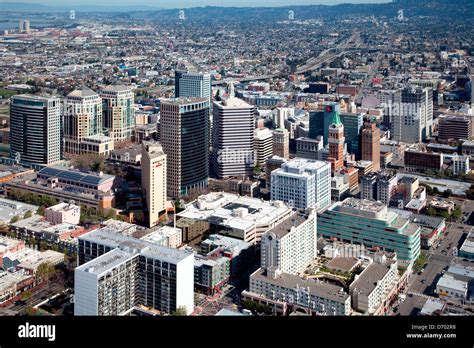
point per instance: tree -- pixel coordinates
(456, 214)
(4, 228)
(30, 311)
(435, 190)
(28, 214)
(447, 193)
(179, 312)
(41, 210)
(25, 296)
(470, 193)
(14, 219)
(45, 271)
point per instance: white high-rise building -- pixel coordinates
(119, 272)
(118, 107)
(232, 138)
(192, 84)
(263, 145)
(291, 245)
(412, 117)
(282, 114)
(153, 165)
(35, 129)
(302, 183)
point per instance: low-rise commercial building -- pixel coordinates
(283, 292)
(63, 213)
(243, 218)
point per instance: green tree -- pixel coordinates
(25, 296)
(179, 312)
(41, 210)
(447, 193)
(4, 228)
(28, 214)
(45, 271)
(456, 214)
(14, 219)
(435, 190)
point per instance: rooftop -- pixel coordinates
(319, 289)
(231, 210)
(366, 282)
(110, 238)
(116, 88)
(285, 227)
(106, 261)
(9, 279)
(468, 245)
(10, 208)
(183, 101)
(449, 282)
(83, 92)
(233, 103)
(76, 176)
(343, 263)
(231, 244)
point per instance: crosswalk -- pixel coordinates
(420, 295)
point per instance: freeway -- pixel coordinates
(314, 63)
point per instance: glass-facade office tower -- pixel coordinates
(118, 112)
(232, 138)
(319, 122)
(184, 137)
(35, 127)
(82, 117)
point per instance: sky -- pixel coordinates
(194, 3)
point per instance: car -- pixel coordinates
(20, 302)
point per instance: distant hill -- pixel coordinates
(453, 9)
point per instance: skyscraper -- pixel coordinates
(118, 272)
(371, 145)
(281, 140)
(118, 112)
(82, 117)
(336, 143)
(319, 122)
(232, 138)
(291, 245)
(302, 183)
(153, 165)
(192, 84)
(263, 145)
(184, 137)
(412, 117)
(35, 129)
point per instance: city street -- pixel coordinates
(422, 286)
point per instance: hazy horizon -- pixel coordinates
(194, 3)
